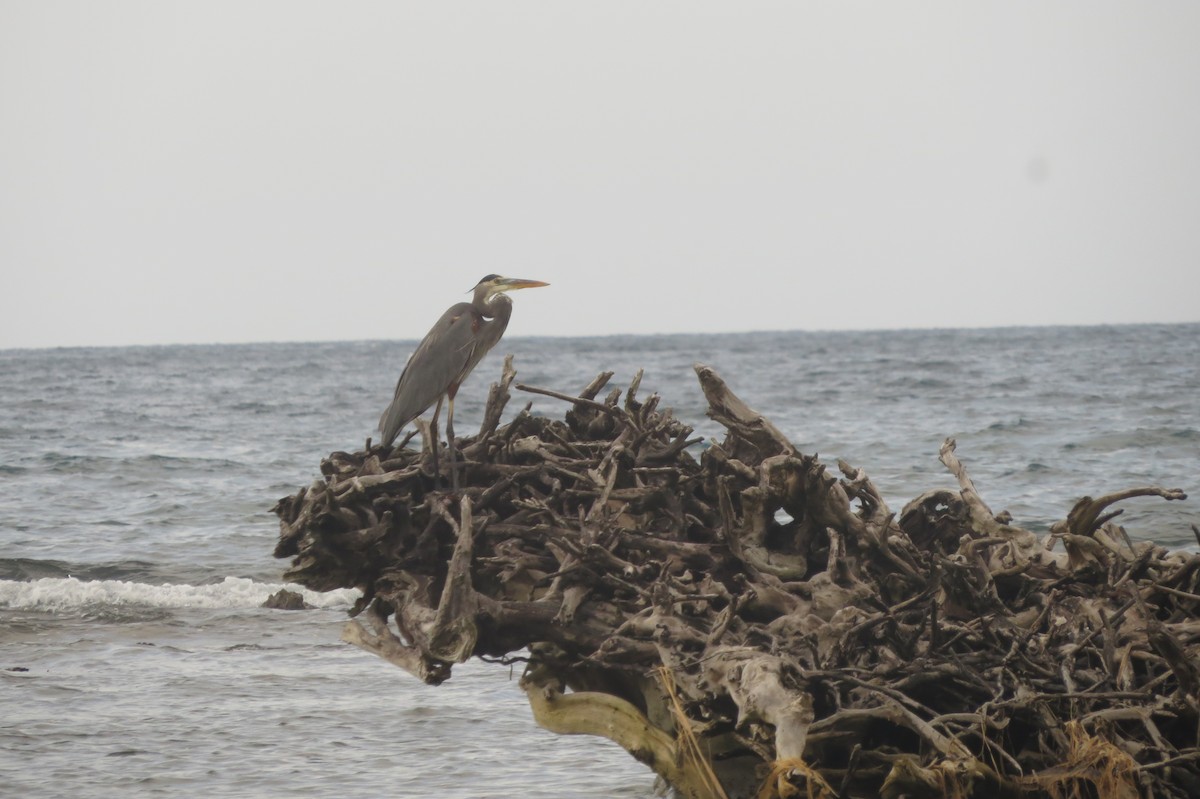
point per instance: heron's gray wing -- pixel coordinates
(437, 362)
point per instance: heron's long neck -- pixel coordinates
(498, 307)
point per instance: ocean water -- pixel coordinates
(136, 537)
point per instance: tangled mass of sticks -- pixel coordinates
(749, 624)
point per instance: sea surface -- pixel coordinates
(136, 535)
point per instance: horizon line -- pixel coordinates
(680, 334)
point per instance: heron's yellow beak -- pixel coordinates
(511, 283)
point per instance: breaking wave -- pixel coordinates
(72, 595)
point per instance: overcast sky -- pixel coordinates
(281, 170)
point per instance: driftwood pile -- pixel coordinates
(749, 624)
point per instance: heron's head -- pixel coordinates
(491, 285)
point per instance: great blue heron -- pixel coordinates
(447, 354)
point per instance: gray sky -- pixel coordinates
(280, 170)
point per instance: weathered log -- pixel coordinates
(748, 623)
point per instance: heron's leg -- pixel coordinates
(450, 443)
(433, 444)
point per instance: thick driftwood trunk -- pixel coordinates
(747, 623)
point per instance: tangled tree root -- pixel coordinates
(748, 624)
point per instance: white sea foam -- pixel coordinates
(67, 594)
